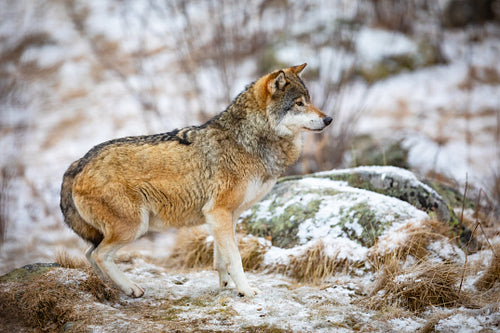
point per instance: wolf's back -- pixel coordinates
(71, 215)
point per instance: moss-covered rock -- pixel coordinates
(280, 215)
(394, 182)
(28, 272)
(359, 204)
(402, 184)
(372, 227)
(301, 209)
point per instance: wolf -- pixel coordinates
(210, 174)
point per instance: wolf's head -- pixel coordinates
(288, 104)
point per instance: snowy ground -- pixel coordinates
(192, 301)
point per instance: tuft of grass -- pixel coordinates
(40, 302)
(414, 287)
(252, 253)
(492, 274)
(100, 290)
(192, 249)
(417, 287)
(418, 238)
(64, 259)
(47, 301)
(313, 266)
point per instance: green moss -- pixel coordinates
(367, 219)
(28, 272)
(282, 227)
(452, 196)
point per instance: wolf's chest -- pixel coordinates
(256, 189)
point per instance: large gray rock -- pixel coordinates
(358, 204)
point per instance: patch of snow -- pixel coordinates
(409, 325)
(386, 209)
(344, 248)
(375, 44)
(279, 256)
(444, 250)
(383, 171)
(460, 323)
(395, 236)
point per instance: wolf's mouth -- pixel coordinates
(317, 130)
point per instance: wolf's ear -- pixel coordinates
(298, 69)
(278, 83)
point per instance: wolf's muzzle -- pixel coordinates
(327, 120)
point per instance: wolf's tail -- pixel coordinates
(71, 215)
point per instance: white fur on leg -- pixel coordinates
(220, 266)
(221, 224)
(104, 258)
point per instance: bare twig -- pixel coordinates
(478, 223)
(463, 205)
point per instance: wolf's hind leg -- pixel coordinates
(103, 256)
(96, 268)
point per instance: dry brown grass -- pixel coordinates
(313, 266)
(418, 238)
(417, 287)
(492, 273)
(252, 253)
(192, 249)
(409, 280)
(64, 259)
(46, 302)
(100, 290)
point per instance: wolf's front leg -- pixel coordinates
(221, 268)
(221, 223)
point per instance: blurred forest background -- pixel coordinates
(412, 83)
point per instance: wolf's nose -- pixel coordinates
(327, 120)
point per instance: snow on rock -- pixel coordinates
(394, 182)
(299, 212)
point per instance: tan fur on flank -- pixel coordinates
(201, 174)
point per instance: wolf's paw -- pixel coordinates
(249, 292)
(135, 291)
(225, 281)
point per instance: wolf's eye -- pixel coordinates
(299, 103)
